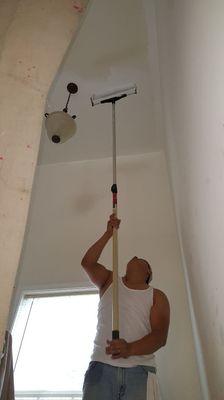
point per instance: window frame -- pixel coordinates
(41, 293)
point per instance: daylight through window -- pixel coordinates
(52, 344)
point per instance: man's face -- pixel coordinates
(140, 267)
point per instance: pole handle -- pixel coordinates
(115, 316)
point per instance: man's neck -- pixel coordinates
(132, 284)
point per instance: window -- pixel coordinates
(52, 344)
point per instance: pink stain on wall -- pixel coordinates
(78, 7)
(1, 158)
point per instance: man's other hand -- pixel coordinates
(118, 348)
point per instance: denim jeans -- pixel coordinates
(106, 382)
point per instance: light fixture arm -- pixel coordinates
(72, 88)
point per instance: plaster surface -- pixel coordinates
(34, 37)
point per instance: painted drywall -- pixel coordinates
(105, 56)
(69, 210)
(191, 36)
(33, 39)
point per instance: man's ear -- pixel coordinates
(148, 280)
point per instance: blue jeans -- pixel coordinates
(105, 382)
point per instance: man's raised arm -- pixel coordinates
(97, 273)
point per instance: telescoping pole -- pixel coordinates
(115, 312)
(115, 303)
(112, 97)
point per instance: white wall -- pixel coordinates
(70, 206)
(191, 37)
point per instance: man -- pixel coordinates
(125, 368)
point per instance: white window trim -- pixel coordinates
(47, 291)
(52, 292)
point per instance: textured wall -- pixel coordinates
(34, 36)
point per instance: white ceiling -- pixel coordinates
(114, 48)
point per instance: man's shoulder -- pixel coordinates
(159, 296)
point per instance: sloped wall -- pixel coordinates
(34, 36)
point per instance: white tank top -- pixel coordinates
(134, 320)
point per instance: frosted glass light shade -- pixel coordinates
(60, 126)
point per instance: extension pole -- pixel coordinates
(112, 97)
(115, 312)
(115, 303)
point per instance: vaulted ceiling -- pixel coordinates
(115, 47)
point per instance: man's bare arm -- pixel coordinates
(97, 273)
